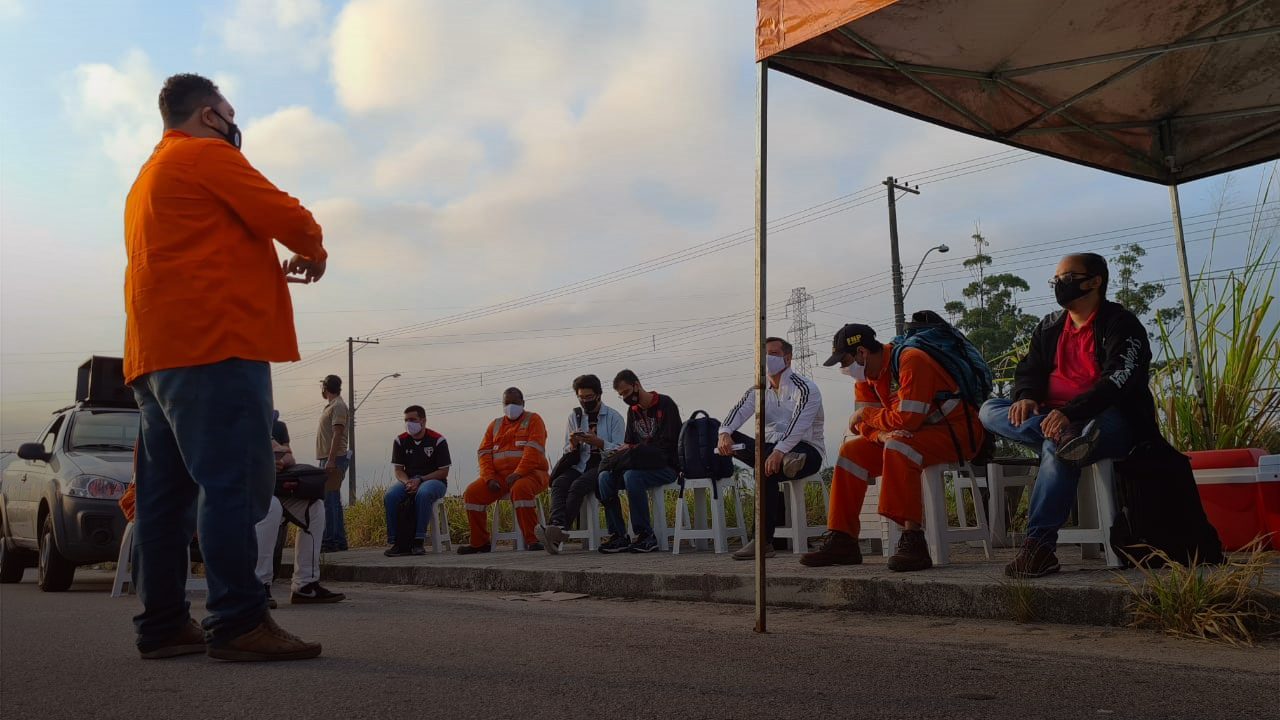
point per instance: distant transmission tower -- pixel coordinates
(801, 330)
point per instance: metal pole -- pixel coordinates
(351, 420)
(1189, 309)
(762, 106)
(894, 258)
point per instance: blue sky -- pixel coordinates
(461, 155)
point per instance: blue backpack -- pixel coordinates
(928, 332)
(697, 451)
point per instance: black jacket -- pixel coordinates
(1124, 357)
(665, 436)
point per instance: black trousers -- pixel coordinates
(568, 490)
(774, 507)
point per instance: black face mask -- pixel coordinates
(1066, 293)
(232, 133)
(590, 406)
(633, 398)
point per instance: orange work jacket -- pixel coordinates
(203, 282)
(514, 447)
(920, 378)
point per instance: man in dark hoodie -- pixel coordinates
(648, 460)
(1079, 395)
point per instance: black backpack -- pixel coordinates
(697, 450)
(1160, 507)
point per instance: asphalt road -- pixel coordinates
(398, 652)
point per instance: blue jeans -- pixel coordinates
(204, 463)
(637, 483)
(1054, 493)
(424, 500)
(335, 527)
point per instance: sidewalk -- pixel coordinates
(1083, 593)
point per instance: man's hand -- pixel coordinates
(1021, 410)
(725, 445)
(857, 416)
(411, 484)
(593, 440)
(1053, 424)
(511, 479)
(773, 463)
(493, 485)
(898, 434)
(309, 270)
(574, 440)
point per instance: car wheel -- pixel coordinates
(12, 563)
(54, 572)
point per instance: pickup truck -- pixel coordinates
(59, 497)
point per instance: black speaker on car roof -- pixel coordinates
(100, 381)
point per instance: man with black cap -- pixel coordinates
(331, 451)
(898, 435)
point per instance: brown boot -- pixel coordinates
(188, 641)
(912, 553)
(268, 641)
(837, 548)
(1034, 560)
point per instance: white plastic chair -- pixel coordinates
(796, 527)
(938, 533)
(589, 530)
(123, 583)
(1000, 477)
(1097, 511)
(439, 527)
(515, 533)
(718, 531)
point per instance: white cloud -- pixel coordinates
(11, 9)
(301, 152)
(286, 32)
(118, 104)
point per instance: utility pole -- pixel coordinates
(898, 316)
(351, 414)
(801, 330)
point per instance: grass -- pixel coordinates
(366, 521)
(1024, 596)
(1215, 603)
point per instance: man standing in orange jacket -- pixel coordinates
(207, 308)
(512, 458)
(898, 434)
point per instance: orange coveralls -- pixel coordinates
(898, 460)
(509, 446)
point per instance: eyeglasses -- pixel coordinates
(588, 398)
(1067, 277)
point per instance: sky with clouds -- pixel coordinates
(514, 193)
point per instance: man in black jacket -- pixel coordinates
(648, 460)
(1080, 394)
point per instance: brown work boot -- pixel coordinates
(837, 548)
(266, 642)
(912, 553)
(188, 641)
(1034, 560)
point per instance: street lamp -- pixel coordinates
(351, 437)
(940, 248)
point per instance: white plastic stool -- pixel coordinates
(439, 527)
(123, 583)
(515, 533)
(796, 527)
(1000, 477)
(938, 533)
(658, 514)
(589, 531)
(718, 532)
(1097, 511)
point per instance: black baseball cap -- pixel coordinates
(332, 383)
(849, 338)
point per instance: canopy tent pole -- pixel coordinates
(1189, 310)
(762, 104)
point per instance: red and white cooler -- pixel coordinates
(1269, 496)
(1231, 489)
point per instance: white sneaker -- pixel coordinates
(793, 464)
(748, 551)
(556, 538)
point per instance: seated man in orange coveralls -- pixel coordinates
(512, 459)
(898, 434)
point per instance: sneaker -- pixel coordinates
(1034, 560)
(645, 544)
(535, 545)
(312, 594)
(912, 553)
(469, 550)
(555, 539)
(616, 544)
(748, 551)
(268, 641)
(271, 602)
(835, 548)
(419, 548)
(793, 464)
(396, 551)
(540, 532)
(1074, 451)
(188, 641)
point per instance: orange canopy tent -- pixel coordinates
(1165, 91)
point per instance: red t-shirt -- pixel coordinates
(1075, 366)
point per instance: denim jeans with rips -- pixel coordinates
(204, 465)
